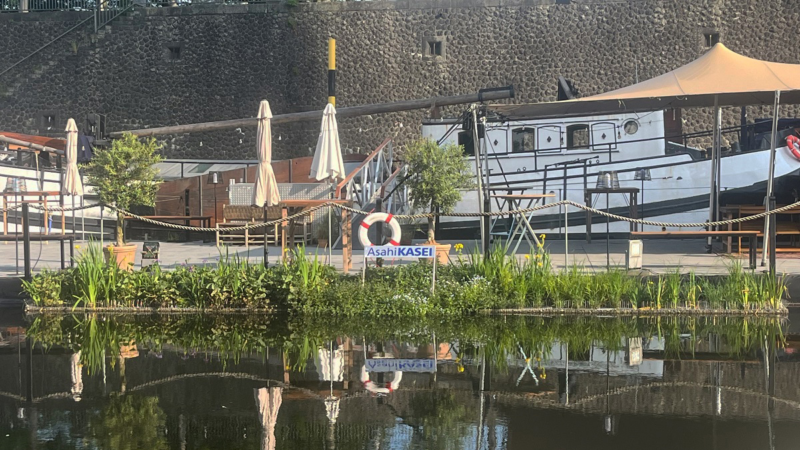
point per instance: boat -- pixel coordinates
(645, 151)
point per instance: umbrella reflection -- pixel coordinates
(268, 402)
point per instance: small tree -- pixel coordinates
(124, 175)
(435, 177)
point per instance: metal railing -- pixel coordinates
(24, 6)
(394, 192)
(104, 12)
(108, 10)
(363, 184)
(12, 6)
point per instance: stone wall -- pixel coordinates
(230, 57)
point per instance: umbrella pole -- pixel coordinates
(330, 228)
(771, 177)
(718, 187)
(266, 233)
(83, 221)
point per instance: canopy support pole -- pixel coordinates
(487, 198)
(718, 188)
(714, 150)
(771, 177)
(478, 174)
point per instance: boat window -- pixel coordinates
(604, 136)
(577, 137)
(550, 139)
(523, 140)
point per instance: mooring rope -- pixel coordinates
(327, 206)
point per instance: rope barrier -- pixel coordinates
(524, 211)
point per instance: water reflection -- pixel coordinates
(230, 382)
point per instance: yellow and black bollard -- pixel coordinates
(332, 71)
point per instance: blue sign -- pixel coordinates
(399, 251)
(402, 365)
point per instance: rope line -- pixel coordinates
(524, 211)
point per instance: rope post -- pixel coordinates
(364, 272)
(772, 238)
(187, 211)
(16, 232)
(566, 235)
(102, 238)
(433, 277)
(347, 261)
(608, 234)
(26, 240)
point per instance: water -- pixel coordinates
(245, 382)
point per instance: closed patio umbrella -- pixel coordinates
(268, 401)
(327, 163)
(72, 178)
(265, 191)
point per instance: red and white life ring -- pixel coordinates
(793, 144)
(394, 225)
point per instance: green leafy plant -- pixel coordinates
(436, 176)
(124, 175)
(45, 288)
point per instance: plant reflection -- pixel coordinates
(502, 338)
(129, 422)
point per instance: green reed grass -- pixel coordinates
(303, 284)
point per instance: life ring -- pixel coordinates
(793, 144)
(379, 217)
(372, 387)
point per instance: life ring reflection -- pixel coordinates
(374, 388)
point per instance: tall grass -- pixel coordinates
(303, 284)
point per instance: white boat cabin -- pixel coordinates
(544, 142)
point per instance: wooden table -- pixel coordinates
(19, 197)
(632, 205)
(735, 211)
(291, 207)
(514, 226)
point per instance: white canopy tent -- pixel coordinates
(719, 78)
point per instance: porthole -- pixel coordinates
(631, 127)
